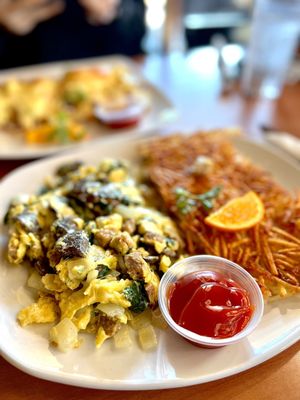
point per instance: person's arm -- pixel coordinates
(22, 16)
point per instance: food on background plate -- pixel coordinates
(60, 129)
(96, 251)
(197, 175)
(33, 106)
(103, 94)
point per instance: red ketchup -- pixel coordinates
(210, 305)
(122, 123)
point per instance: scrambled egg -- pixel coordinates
(56, 110)
(43, 311)
(97, 250)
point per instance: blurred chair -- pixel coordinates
(191, 23)
(203, 19)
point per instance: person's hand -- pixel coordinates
(22, 16)
(100, 12)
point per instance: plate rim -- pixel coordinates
(158, 384)
(140, 384)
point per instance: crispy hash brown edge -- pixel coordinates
(270, 251)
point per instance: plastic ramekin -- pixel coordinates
(229, 270)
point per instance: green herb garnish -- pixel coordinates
(137, 296)
(187, 201)
(60, 132)
(74, 97)
(103, 271)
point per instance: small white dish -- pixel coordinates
(123, 117)
(228, 270)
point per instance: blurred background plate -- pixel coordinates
(160, 110)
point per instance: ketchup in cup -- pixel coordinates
(209, 304)
(210, 301)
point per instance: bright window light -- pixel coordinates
(155, 17)
(155, 3)
(232, 54)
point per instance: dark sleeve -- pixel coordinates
(16, 50)
(131, 26)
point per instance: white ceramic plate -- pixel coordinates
(160, 110)
(175, 362)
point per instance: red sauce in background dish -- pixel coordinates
(210, 305)
(122, 123)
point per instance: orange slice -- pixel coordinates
(240, 213)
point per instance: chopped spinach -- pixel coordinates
(137, 296)
(103, 271)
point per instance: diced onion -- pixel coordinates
(65, 335)
(35, 281)
(141, 320)
(158, 320)
(122, 338)
(147, 337)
